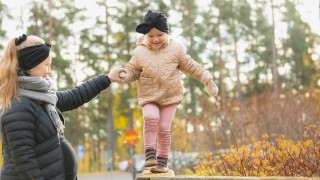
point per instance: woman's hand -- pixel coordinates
(114, 75)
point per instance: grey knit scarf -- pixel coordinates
(41, 89)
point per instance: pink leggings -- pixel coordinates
(157, 127)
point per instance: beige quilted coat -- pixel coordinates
(158, 72)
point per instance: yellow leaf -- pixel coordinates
(265, 136)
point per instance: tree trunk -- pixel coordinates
(110, 121)
(238, 83)
(50, 22)
(274, 56)
(222, 88)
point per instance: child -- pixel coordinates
(156, 64)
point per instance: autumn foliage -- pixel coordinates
(272, 156)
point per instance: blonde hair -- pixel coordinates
(9, 67)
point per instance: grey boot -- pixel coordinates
(162, 166)
(150, 158)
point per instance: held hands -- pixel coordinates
(123, 75)
(115, 75)
(211, 88)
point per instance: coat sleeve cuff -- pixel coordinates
(108, 79)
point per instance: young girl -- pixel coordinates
(156, 63)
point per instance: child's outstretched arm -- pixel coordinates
(194, 69)
(132, 70)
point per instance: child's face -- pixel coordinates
(156, 38)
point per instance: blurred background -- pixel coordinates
(264, 56)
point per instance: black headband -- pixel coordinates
(32, 56)
(153, 20)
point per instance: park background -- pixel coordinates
(263, 54)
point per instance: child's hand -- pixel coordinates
(123, 75)
(211, 88)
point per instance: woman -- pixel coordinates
(32, 126)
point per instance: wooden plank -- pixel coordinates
(166, 176)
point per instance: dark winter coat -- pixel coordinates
(31, 149)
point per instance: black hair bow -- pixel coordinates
(21, 39)
(153, 20)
